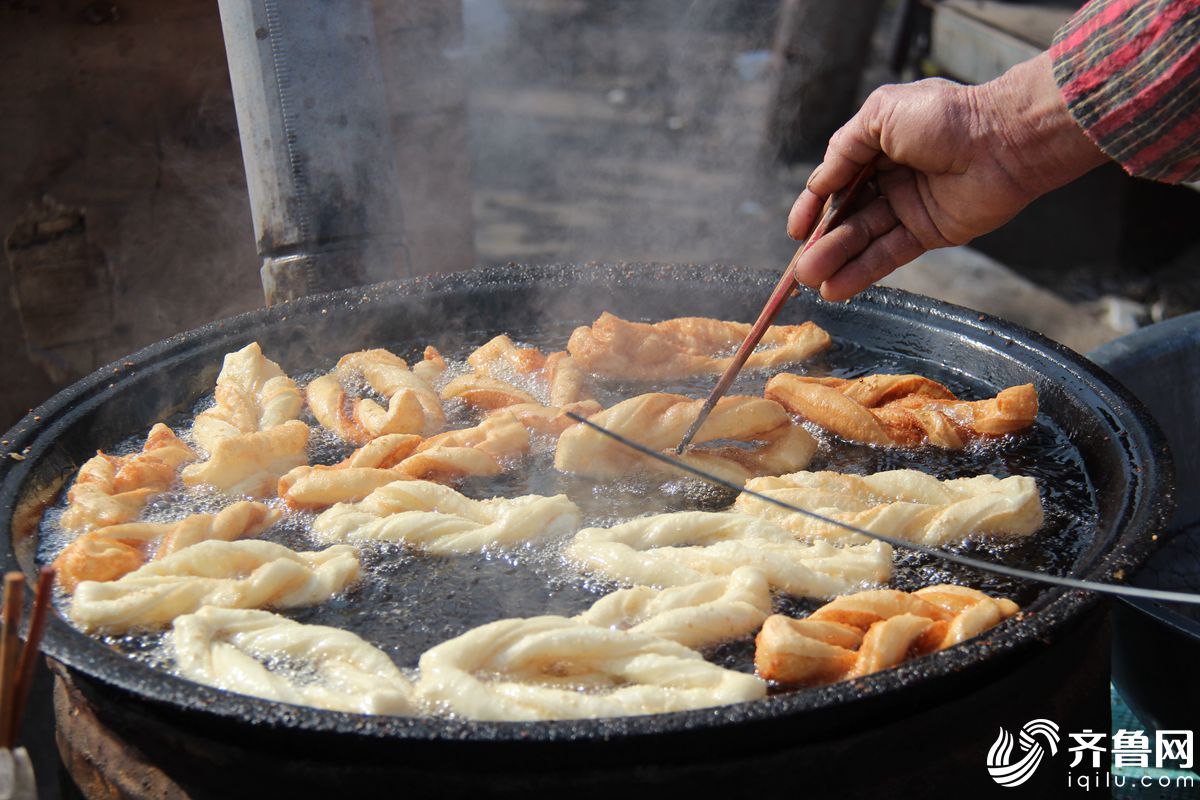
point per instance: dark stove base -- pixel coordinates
(124, 751)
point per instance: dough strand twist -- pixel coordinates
(245, 574)
(544, 388)
(110, 490)
(108, 553)
(861, 633)
(413, 406)
(226, 648)
(659, 420)
(697, 615)
(690, 546)
(443, 522)
(251, 464)
(904, 503)
(252, 435)
(446, 458)
(557, 668)
(903, 410)
(679, 348)
(252, 394)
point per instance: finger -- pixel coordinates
(912, 204)
(803, 214)
(842, 244)
(854, 145)
(894, 249)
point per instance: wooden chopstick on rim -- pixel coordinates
(10, 650)
(19, 662)
(27, 664)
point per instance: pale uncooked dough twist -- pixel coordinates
(690, 546)
(440, 520)
(252, 394)
(904, 503)
(558, 668)
(243, 574)
(226, 648)
(697, 615)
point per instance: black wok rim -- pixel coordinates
(1143, 511)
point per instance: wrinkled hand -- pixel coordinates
(953, 162)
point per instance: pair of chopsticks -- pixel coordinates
(17, 661)
(837, 208)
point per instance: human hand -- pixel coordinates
(953, 162)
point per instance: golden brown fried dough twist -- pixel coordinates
(413, 405)
(903, 410)
(658, 421)
(108, 553)
(678, 348)
(857, 634)
(114, 489)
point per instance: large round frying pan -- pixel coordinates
(1023, 667)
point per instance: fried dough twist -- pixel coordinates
(696, 615)
(861, 633)
(446, 458)
(413, 405)
(226, 648)
(679, 348)
(251, 464)
(690, 546)
(441, 521)
(559, 668)
(904, 503)
(252, 394)
(110, 490)
(108, 553)
(903, 410)
(659, 420)
(553, 385)
(251, 434)
(245, 574)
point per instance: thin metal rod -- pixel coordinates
(837, 208)
(966, 561)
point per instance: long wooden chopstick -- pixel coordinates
(27, 665)
(10, 648)
(837, 208)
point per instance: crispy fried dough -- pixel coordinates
(679, 348)
(902, 410)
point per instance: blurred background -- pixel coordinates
(526, 131)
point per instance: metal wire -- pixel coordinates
(966, 561)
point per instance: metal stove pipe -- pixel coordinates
(312, 114)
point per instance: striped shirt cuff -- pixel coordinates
(1129, 71)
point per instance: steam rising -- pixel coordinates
(624, 131)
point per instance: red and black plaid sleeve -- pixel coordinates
(1130, 73)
